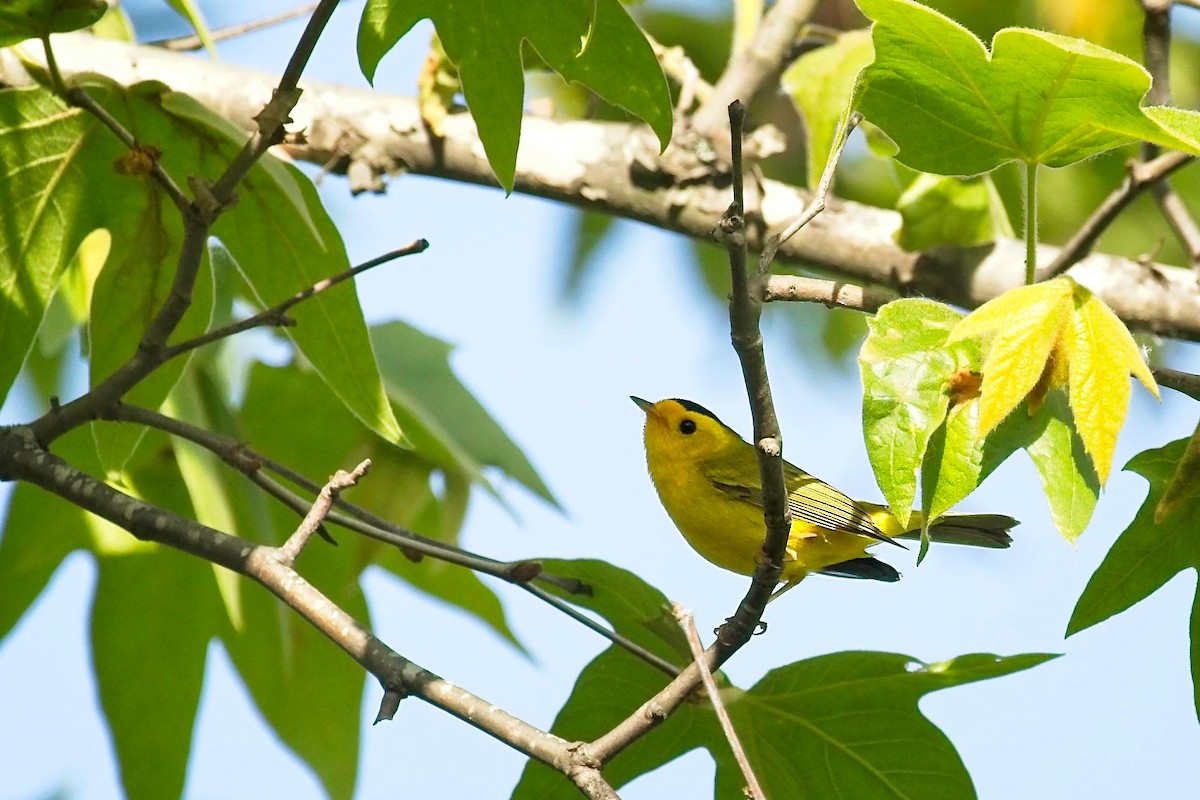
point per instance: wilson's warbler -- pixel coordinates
(708, 481)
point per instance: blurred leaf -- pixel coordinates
(820, 83)
(937, 210)
(191, 12)
(1039, 98)
(445, 422)
(587, 232)
(905, 369)
(1147, 554)
(1185, 484)
(437, 85)
(31, 19)
(593, 42)
(115, 25)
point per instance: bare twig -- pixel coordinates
(78, 96)
(1141, 177)
(688, 623)
(798, 288)
(817, 204)
(273, 117)
(341, 480)
(182, 44)
(277, 315)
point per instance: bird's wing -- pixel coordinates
(810, 500)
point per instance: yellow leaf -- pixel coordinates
(1024, 325)
(1103, 354)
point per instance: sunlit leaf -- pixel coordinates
(955, 108)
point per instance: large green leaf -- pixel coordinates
(1148, 553)
(955, 108)
(593, 42)
(835, 726)
(443, 420)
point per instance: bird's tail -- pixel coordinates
(976, 530)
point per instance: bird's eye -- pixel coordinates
(687, 427)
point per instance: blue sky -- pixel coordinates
(1113, 718)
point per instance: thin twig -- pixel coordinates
(275, 114)
(277, 315)
(797, 288)
(79, 97)
(817, 204)
(688, 623)
(182, 44)
(1140, 177)
(290, 550)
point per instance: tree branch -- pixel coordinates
(186, 43)
(371, 134)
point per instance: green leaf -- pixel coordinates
(953, 464)
(937, 210)
(593, 42)
(588, 231)
(905, 370)
(840, 725)
(191, 12)
(820, 83)
(1039, 98)
(444, 421)
(66, 157)
(850, 726)
(150, 664)
(1147, 554)
(634, 608)
(31, 19)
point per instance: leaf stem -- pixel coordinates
(1031, 221)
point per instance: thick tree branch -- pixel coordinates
(22, 458)
(613, 168)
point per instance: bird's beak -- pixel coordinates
(644, 405)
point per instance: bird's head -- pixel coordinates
(683, 431)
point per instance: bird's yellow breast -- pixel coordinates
(729, 532)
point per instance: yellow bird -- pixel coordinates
(708, 481)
